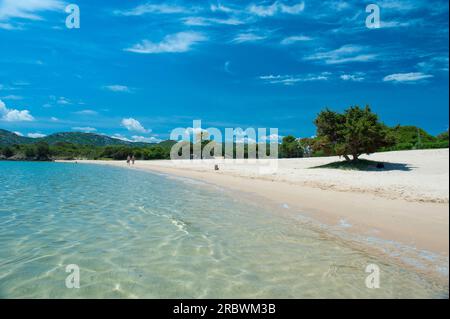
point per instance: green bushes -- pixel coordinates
(30, 151)
(290, 148)
(442, 144)
(7, 152)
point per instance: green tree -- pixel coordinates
(42, 150)
(7, 152)
(355, 132)
(30, 151)
(443, 136)
(290, 147)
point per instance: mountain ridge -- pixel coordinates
(8, 138)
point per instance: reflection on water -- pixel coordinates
(139, 235)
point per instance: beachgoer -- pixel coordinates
(132, 159)
(128, 160)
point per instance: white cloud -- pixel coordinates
(36, 135)
(18, 133)
(117, 88)
(9, 26)
(86, 112)
(134, 125)
(121, 137)
(172, 43)
(84, 129)
(151, 8)
(271, 138)
(195, 131)
(248, 37)
(275, 8)
(407, 77)
(345, 54)
(143, 139)
(399, 5)
(294, 9)
(435, 64)
(357, 77)
(293, 79)
(294, 39)
(202, 21)
(137, 138)
(63, 101)
(227, 67)
(12, 97)
(221, 8)
(54, 119)
(13, 115)
(28, 9)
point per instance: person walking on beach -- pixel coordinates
(132, 159)
(128, 160)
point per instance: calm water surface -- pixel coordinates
(141, 235)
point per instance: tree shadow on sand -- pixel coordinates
(366, 165)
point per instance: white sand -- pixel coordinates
(411, 175)
(406, 203)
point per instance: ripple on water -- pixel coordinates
(137, 235)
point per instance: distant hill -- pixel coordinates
(78, 138)
(8, 138)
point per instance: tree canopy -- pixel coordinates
(355, 132)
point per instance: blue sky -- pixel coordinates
(138, 69)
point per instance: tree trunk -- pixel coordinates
(347, 158)
(355, 157)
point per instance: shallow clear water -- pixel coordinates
(141, 235)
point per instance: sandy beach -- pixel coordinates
(406, 203)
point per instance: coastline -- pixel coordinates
(410, 221)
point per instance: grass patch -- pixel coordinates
(359, 165)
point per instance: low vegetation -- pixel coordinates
(350, 134)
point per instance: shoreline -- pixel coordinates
(420, 226)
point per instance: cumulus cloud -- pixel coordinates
(407, 77)
(121, 137)
(36, 135)
(134, 125)
(13, 115)
(172, 43)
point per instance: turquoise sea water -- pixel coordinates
(141, 235)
